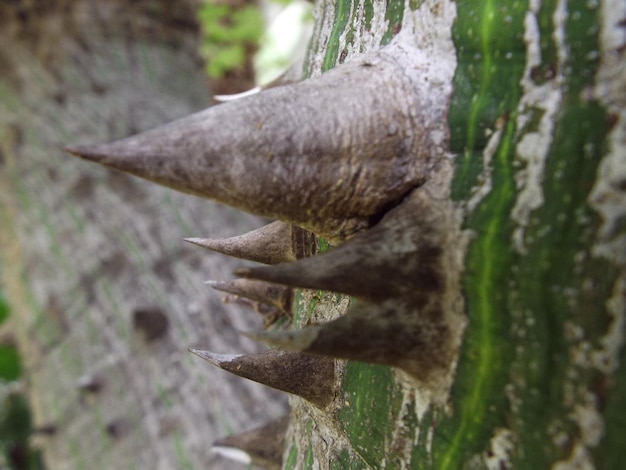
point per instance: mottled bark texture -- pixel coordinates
(102, 288)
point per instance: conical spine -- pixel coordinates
(268, 293)
(329, 154)
(309, 377)
(271, 244)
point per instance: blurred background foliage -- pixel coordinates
(231, 33)
(252, 42)
(234, 33)
(16, 428)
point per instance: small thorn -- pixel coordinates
(265, 292)
(271, 244)
(237, 96)
(270, 314)
(309, 377)
(294, 340)
(214, 358)
(86, 152)
(262, 446)
(233, 453)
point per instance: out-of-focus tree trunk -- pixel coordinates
(92, 261)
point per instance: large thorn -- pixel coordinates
(262, 446)
(275, 243)
(265, 292)
(388, 333)
(329, 154)
(309, 377)
(397, 258)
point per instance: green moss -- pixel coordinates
(491, 53)
(309, 458)
(368, 416)
(342, 15)
(394, 15)
(292, 458)
(344, 461)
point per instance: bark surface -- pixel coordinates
(537, 125)
(105, 295)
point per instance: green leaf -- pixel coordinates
(4, 308)
(225, 59)
(10, 364)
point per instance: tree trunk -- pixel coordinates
(537, 123)
(105, 295)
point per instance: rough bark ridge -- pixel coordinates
(93, 260)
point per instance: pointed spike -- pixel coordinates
(271, 244)
(214, 358)
(281, 154)
(261, 446)
(309, 377)
(265, 292)
(294, 340)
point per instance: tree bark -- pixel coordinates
(537, 124)
(105, 295)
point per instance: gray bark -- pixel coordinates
(89, 254)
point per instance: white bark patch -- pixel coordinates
(500, 449)
(589, 420)
(430, 28)
(608, 196)
(591, 425)
(483, 188)
(533, 147)
(324, 14)
(579, 460)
